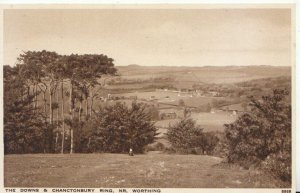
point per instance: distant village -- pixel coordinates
(165, 101)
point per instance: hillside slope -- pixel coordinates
(208, 74)
(118, 170)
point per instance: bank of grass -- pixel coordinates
(153, 169)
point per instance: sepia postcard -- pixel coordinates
(148, 98)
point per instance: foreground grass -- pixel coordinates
(119, 170)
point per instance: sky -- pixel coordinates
(154, 37)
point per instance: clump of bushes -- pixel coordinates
(263, 136)
(189, 138)
(117, 128)
(159, 146)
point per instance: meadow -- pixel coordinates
(154, 169)
(208, 121)
(213, 121)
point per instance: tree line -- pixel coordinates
(36, 91)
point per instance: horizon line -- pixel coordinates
(137, 65)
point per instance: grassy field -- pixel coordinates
(213, 121)
(119, 170)
(208, 121)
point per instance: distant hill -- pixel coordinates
(207, 74)
(134, 65)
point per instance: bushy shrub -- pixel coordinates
(117, 128)
(263, 135)
(186, 137)
(183, 134)
(159, 146)
(208, 142)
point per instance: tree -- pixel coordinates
(181, 135)
(117, 128)
(61, 76)
(207, 142)
(93, 67)
(50, 67)
(186, 112)
(154, 112)
(187, 135)
(23, 124)
(43, 72)
(208, 107)
(94, 94)
(39, 69)
(263, 134)
(83, 71)
(30, 68)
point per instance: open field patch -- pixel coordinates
(208, 121)
(213, 121)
